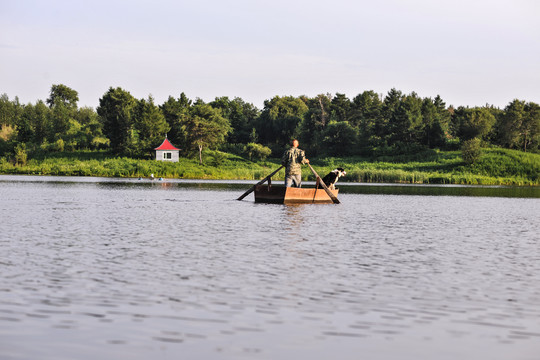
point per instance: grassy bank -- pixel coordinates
(496, 167)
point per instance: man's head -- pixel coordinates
(295, 143)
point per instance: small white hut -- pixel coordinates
(167, 152)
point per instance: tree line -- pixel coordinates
(326, 125)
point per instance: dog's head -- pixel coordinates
(340, 172)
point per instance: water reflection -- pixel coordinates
(345, 188)
(442, 190)
(294, 217)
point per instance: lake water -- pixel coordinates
(124, 269)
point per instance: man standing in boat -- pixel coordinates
(293, 159)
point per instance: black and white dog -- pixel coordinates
(332, 177)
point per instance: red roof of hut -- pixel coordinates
(166, 145)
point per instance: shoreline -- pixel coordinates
(497, 167)
(240, 186)
(275, 181)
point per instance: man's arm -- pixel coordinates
(303, 157)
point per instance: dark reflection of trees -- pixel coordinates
(378, 189)
(443, 190)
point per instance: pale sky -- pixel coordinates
(470, 52)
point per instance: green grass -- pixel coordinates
(496, 167)
(103, 164)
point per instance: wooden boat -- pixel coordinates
(291, 195)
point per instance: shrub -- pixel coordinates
(217, 158)
(20, 154)
(100, 143)
(471, 151)
(59, 145)
(257, 150)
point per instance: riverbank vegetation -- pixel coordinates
(495, 167)
(393, 138)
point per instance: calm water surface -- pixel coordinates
(105, 269)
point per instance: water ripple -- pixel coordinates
(107, 270)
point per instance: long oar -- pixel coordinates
(259, 183)
(334, 199)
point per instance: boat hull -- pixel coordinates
(292, 195)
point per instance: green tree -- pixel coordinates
(24, 125)
(116, 112)
(61, 94)
(34, 124)
(205, 127)
(382, 129)
(279, 120)
(519, 125)
(10, 116)
(473, 122)
(405, 120)
(90, 130)
(86, 115)
(340, 107)
(434, 122)
(366, 106)
(10, 111)
(531, 127)
(60, 121)
(340, 138)
(510, 124)
(443, 112)
(315, 120)
(5, 110)
(63, 103)
(175, 111)
(74, 135)
(241, 115)
(391, 102)
(41, 122)
(150, 125)
(366, 113)
(471, 151)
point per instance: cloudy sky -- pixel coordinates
(470, 52)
